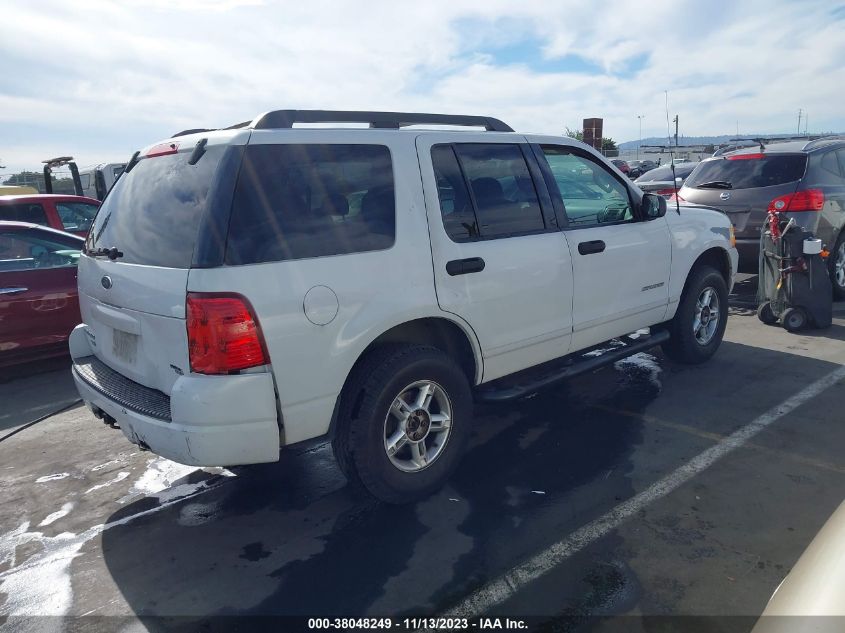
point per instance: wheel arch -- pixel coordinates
(715, 257)
(452, 337)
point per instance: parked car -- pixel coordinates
(73, 214)
(96, 181)
(38, 297)
(804, 179)
(282, 285)
(662, 180)
(621, 165)
(639, 167)
(812, 596)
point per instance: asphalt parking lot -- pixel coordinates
(644, 489)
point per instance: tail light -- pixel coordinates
(665, 192)
(746, 157)
(676, 197)
(806, 200)
(162, 150)
(223, 334)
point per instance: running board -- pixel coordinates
(534, 379)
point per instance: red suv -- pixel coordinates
(73, 214)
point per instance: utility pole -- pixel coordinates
(799, 120)
(806, 122)
(676, 130)
(640, 142)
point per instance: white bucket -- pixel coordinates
(812, 246)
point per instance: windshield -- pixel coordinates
(151, 214)
(770, 170)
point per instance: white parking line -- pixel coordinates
(497, 591)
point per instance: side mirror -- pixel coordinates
(679, 181)
(653, 206)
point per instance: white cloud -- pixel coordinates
(89, 77)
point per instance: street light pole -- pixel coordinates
(640, 142)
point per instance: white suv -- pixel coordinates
(246, 289)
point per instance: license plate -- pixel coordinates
(125, 346)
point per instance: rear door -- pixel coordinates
(742, 185)
(500, 262)
(134, 304)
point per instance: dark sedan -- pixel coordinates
(39, 305)
(621, 165)
(662, 181)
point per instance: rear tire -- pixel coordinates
(836, 266)
(699, 324)
(408, 424)
(794, 319)
(765, 314)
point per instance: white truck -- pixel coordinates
(247, 289)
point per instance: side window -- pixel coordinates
(85, 180)
(76, 216)
(24, 212)
(30, 250)
(840, 156)
(485, 191)
(591, 195)
(831, 165)
(503, 193)
(455, 203)
(301, 201)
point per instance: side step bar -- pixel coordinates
(531, 380)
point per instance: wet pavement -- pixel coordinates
(92, 527)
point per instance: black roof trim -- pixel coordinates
(192, 131)
(383, 120)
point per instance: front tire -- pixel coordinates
(411, 423)
(697, 329)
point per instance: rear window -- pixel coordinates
(770, 170)
(23, 212)
(76, 216)
(301, 201)
(152, 213)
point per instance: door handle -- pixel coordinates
(465, 266)
(12, 291)
(588, 248)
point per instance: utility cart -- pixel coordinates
(794, 284)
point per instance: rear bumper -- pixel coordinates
(206, 421)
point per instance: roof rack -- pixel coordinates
(824, 140)
(195, 130)
(381, 120)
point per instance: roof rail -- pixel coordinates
(381, 120)
(816, 142)
(192, 131)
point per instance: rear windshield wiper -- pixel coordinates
(715, 184)
(112, 253)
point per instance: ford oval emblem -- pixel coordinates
(725, 195)
(106, 281)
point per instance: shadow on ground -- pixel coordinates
(294, 539)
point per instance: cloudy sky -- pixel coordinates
(100, 79)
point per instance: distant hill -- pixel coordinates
(701, 140)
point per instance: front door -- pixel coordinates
(621, 262)
(500, 262)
